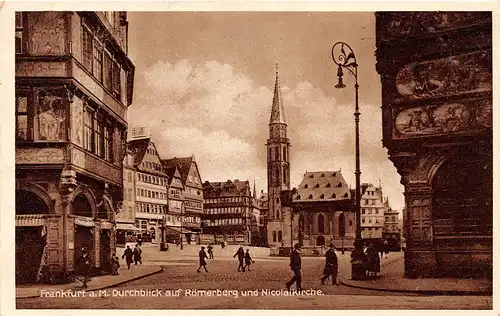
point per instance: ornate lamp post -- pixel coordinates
(343, 56)
(182, 219)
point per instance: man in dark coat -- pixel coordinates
(331, 266)
(210, 251)
(241, 256)
(137, 254)
(295, 265)
(128, 254)
(83, 266)
(203, 263)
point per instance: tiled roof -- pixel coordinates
(323, 186)
(183, 165)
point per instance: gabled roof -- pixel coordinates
(172, 173)
(183, 165)
(217, 188)
(323, 186)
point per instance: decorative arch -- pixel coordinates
(28, 202)
(105, 209)
(84, 192)
(36, 189)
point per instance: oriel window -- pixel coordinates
(87, 46)
(97, 66)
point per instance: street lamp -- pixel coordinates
(343, 56)
(182, 219)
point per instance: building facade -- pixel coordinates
(228, 212)
(125, 220)
(192, 208)
(392, 228)
(151, 189)
(322, 205)
(372, 213)
(263, 202)
(278, 171)
(74, 83)
(436, 73)
(173, 222)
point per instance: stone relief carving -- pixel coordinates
(446, 76)
(77, 122)
(51, 117)
(418, 23)
(48, 33)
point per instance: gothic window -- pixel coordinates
(277, 200)
(277, 154)
(310, 196)
(322, 196)
(328, 185)
(274, 236)
(342, 225)
(280, 236)
(285, 174)
(284, 153)
(271, 153)
(321, 224)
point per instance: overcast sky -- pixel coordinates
(204, 84)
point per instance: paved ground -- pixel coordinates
(179, 277)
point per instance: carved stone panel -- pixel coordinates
(444, 119)
(446, 76)
(404, 24)
(39, 155)
(29, 68)
(420, 222)
(77, 122)
(48, 33)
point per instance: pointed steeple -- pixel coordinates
(277, 111)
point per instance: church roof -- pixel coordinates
(323, 186)
(277, 111)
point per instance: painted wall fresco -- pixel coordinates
(27, 68)
(77, 121)
(443, 119)
(404, 24)
(48, 33)
(51, 118)
(446, 76)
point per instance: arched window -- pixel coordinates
(271, 150)
(29, 203)
(322, 196)
(321, 224)
(342, 225)
(277, 200)
(280, 236)
(277, 154)
(274, 236)
(285, 174)
(278, 214)
(284, 153)
(350, 222)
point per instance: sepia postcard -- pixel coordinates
(248, 156)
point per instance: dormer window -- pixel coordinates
(306, 186)
(346, 195)
(339, 185)
(322, 175)
(311, 176)
(334, 196)
(322, 196)
(328, 185)
(334, 174)
(298, 197)
(310, 196)
(317, 185)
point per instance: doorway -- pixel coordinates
(29, 252)
(105, 250)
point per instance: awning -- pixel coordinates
(30, 220)
(126, 226)
(177, 230)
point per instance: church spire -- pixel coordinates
(254, 190)
(277, 111)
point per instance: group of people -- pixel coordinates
(244, 258)
(366, 261)
(132, 255)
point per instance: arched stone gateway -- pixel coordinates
(30, 233)
(83, 206)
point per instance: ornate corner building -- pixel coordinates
(74, 83)
(436, 73)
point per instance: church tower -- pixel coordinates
(278, 166)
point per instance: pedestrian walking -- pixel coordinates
(386, 248)
(241, 256)
(203, 263)
(358, 261)
(128, 254)
(248, 260)
(210, 251)
(83, 266)
(137, 254)
(115, 264)
(331, 266)
(373, 261)
(295, 266)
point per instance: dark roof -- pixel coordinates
(323, 185)
(138, 148)
(217, 188)
(183, 165)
